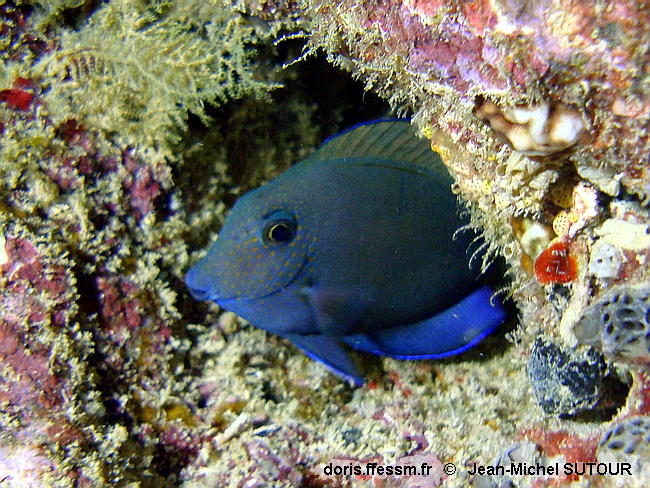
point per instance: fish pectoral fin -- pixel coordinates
(449, 332)
(328, 351)
(337, 310)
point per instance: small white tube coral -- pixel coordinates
(605, 260)
(534, 130)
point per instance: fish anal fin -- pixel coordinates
(329, 352)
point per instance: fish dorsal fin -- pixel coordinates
(384, 140)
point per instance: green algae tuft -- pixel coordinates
(163, 61)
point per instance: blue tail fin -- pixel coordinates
(450, 332)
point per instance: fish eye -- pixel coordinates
(279, 232)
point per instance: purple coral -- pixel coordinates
(120, 305)
(34, 293)
(141, 185)
(437, 52)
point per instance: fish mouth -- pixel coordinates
(202, 294)
(197, 293)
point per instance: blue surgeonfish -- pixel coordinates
(356, 245)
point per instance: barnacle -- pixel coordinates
(534, 130)
(79, 66)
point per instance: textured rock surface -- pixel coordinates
(564, 382)
(619, 321)
(540, 111)
(92, 343)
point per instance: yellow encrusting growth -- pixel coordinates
(99, 312)
(534, 237)
(561, 193)
(160, 64)
(563, 221)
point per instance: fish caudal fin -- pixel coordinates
(450, 332)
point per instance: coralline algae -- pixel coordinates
(92, 244)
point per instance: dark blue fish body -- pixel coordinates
(353, 245)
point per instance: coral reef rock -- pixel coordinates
(620, 322)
